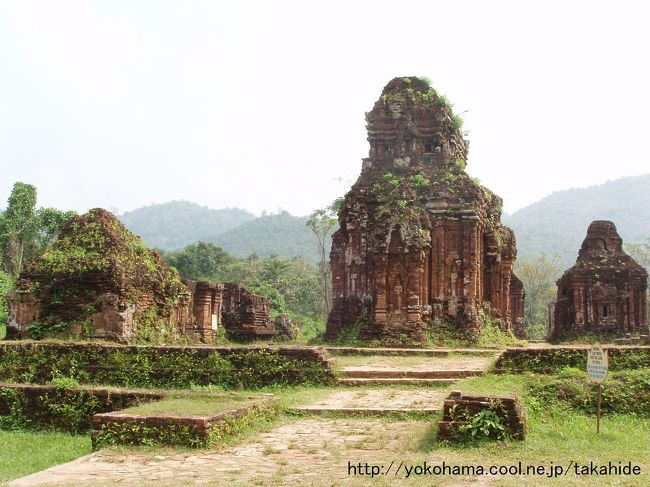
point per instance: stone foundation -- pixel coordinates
(458, 408)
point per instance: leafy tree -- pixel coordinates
(292, 285)
(539, 276)
(48, 224)
(322, 223)
(17, 226)
(6, 285)
(641, 253)
(202, 260)
(27, 232)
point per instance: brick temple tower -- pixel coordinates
(604, 292)
(418, 238)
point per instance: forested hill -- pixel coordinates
(176, 224)
(555, 224)
(558, 223)
(282, 234)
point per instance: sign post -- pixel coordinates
(597, 366)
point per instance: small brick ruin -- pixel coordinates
(604, 293)
(458, 410)
(101, 281)
(419, 240)
(244, 315)
(517, 299)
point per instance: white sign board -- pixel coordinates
(597, 364)
(215, 322)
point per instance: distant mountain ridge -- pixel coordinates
(282, 234)
(175, 224)
(558, 223)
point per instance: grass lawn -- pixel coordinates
(326, 445)
(195, 404)
(26, 452)
(556, 436)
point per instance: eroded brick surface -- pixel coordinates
(101, 281)
(604, 292)
(418, 238)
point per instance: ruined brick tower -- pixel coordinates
(604, 292)
(418, 238)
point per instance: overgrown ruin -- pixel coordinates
(419, 240)
(604, 292)
(99, 280)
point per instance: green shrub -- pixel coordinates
(62, 382)
(6, 286)
(625, 392)
(350, 335)
(553, 360)
(485, 424)
(156, 367)
(491, 334)
(66, 410)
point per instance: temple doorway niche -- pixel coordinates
(397, 278)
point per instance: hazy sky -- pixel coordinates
(261, 105)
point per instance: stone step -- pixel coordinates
(362, 411)
(427, 352)
(353, 373)
(395, 381)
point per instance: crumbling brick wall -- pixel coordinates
(246, 315)
(458, 410)
(98, 280)
(205, 309)
(517, 311)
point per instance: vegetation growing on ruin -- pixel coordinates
(98, 243)
(552, 360)
(97, 250)
(419, 92)
(170, 368)
(65, 410)
(445, 332)
(255, 413)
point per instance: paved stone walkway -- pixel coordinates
(312, 451)
(378, 362)
(302, 453)
(390, 400)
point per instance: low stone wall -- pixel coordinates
(177, 429)
(551, 360)
(630, 340)
(163, 367)
(70, 409)
(459, 410)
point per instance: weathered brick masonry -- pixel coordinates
(100, 281)
(418, 238)
(604, 292)
(458, 408)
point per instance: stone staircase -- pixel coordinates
(352, 376)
